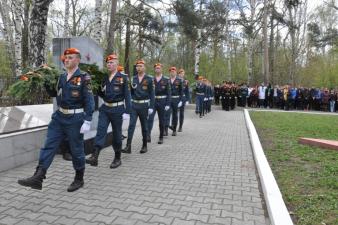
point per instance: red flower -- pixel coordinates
(24, 78)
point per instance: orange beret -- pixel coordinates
(140, 61)
(173, 68)
(157, 65)
(70, 51)
(111, 57)
(120, 68)
(181, 70)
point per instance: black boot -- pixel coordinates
(160, 140)
(127, 149)
(93, 159)
(180, 128)
(36, 180)
(165, 131)
(78, 181)
(117, 160)
(148, 138)
(174, 131)
(144, 148)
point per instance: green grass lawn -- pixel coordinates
(306, 176)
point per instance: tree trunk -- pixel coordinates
(98, 21)
(266, 69)
(272, 50)
(139, 43)
(17, 9)
(38, 27)
(111, 32)
(198, 46)
(251, 42)
(126, 53)
(293, 47)
(229, 59)
(25, 34)
(197, 53)
(8, 32)
(66, 30)
(74, 31)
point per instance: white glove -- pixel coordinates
(187, 103)
(125, 116)
(85, 127)
(205, 99)
(150, 111)
(179, 104)
(166, 108)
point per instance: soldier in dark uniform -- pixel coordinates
(211, 97)
(116, 96)
(227, 97)
(299, 98)
(306, 99)
(217, 94)
(200, 94)
(206, 97)
(185, 100)
(162, 102)
(72, 119)
(243, 94)
(176, 100)
(222, 95)
(233, 96)
(143, 98)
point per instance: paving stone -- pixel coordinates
(208, 177)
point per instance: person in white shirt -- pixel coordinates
(261, 95)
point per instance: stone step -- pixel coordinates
(328, 144)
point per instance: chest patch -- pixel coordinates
(75, 93)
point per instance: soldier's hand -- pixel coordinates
(125, 116)
(187, 103)
(85, 127)
(166, 108)
(179, 104)
(150, 111)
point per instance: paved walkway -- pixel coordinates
(205, 175)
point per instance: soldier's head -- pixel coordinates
(140, 66)
(112, 62)
(72, 58)
(158, 68)
(172, 71)
(181, 73)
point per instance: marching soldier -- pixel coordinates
(162, 102)
(186, 98)
(206, 97)
(176, 100)
(222, 95)
(72, 119)
(116, 96)
(200, 94)
(211, 96)
(227, 97)
(217, 94)
(142, 98)
(232, 96)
